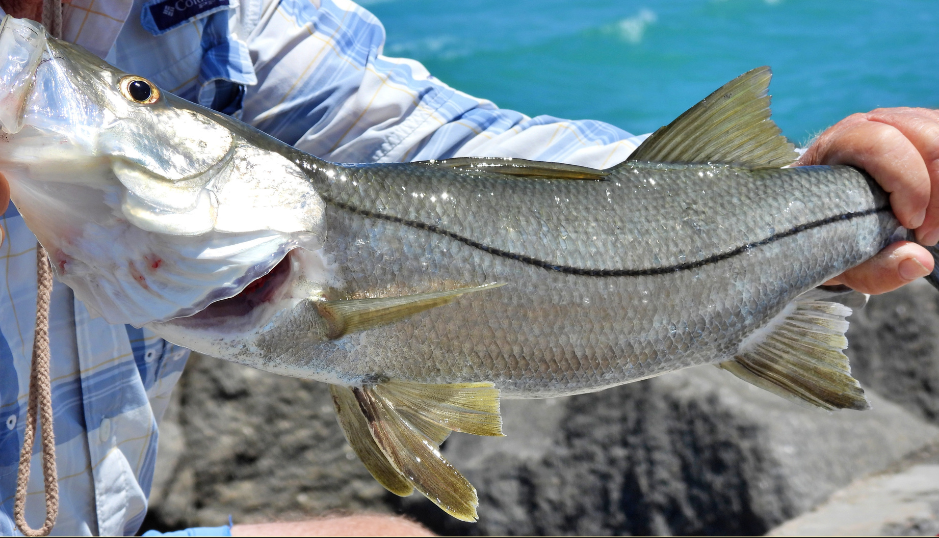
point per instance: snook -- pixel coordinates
(423, 291)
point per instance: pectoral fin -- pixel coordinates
(396, 429)
(352, 315)
(800, 357)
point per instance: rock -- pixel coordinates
(692, 452)
(259, 447)
(894, 348)
(902, 502)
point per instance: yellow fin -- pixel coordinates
(353, 315)
(360, 438)
(520, 168)
(731, 126)
(800, 357)
(463, 407)
(405, 424)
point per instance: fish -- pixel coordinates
(424, 293)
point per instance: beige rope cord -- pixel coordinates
(40, 384)
(40, 400)
(52, 17)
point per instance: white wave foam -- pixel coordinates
(631, 29)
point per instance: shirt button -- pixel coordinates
(11, 422)
(104, 430)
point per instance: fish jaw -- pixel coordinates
(280, 303)
(135, 262)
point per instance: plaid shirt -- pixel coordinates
(309, 72)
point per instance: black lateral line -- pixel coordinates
(579, 271)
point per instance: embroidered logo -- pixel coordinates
(168, 14)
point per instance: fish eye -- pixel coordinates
(139, 90)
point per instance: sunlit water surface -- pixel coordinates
(640, 64)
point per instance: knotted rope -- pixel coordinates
(40, 384)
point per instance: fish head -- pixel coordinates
(151, 208)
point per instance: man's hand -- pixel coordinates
(356, 525)
(899, 147)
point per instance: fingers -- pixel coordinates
(921, 128)
(895, 266)
(900, 148)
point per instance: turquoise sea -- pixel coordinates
(639, 64)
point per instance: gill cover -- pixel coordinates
(150, 207)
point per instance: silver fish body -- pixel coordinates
(424, 292)
(651, 269)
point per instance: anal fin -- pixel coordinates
(396, 429)
(360, 438)
(800, 358)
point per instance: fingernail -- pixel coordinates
(918, 220)
(910, 269)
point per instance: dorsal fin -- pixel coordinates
(519, 167)
(731, 126)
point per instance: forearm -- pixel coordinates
(357, 525)
(324, 86)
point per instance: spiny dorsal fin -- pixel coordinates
(396, 429)
(353, 315)
(731, 126)
(799, 356)
(520, 168)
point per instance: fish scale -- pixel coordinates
(631, 338)
(641, 228)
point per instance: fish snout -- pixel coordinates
(22, 42)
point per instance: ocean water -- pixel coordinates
(637, 65)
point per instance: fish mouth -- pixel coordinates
(258, 292)
(252, 307)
